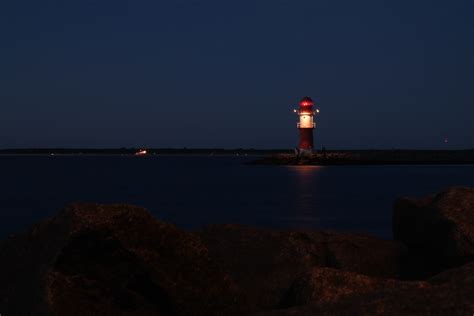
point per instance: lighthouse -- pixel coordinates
(306, 124)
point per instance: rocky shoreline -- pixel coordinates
(371, 157)
(95, 259)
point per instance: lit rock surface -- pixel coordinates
(333, 292)
(265, 262)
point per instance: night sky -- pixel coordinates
(214, 73)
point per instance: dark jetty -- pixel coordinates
(119, 260)
(371, 157)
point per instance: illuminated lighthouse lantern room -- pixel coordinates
(306, 125)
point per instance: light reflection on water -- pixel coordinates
(307, 181)
(194, 191)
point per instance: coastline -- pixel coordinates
(274, 156)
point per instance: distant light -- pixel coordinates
(141, 152)
(317, 110)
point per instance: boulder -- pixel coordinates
(119, 260)
(327, 286)
(333, 292)
(438, 231)
(113, 260)
(265, 263)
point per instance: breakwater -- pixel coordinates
(372, 157)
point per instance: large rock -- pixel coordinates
(327, 286)
(118, 260)
(265, 263)
(438, 230)
(333, 292)
(113, 260)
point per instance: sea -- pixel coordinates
(195, 191)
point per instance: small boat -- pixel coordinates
(141, 152)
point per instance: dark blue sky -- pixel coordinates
(386, 74)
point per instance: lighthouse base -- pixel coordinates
(306, 142)
(303, 152)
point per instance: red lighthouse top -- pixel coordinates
(306, 102)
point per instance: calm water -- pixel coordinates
(195, 191)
